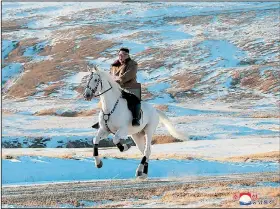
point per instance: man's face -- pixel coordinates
(123, 56)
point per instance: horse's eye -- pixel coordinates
(95, 80)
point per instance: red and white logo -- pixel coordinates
(245, 198)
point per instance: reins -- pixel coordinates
(106, 119)
(95, 88)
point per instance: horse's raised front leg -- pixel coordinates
(121, 134)
(100, 135)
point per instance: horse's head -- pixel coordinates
(94, 84)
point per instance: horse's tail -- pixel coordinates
(165, 120)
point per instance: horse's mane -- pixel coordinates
(110, 79)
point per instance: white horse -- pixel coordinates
(116, 118)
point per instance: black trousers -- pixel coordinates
(133, 104)
(132, 100)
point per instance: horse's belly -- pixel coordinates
(130, 129)
(135, 129)
(148, 116)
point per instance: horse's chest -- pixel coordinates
(111, 125)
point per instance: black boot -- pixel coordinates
(96, 126)
(136, 115)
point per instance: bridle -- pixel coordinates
(96, 86)
(106, 117)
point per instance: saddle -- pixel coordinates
(132, 94)
(134, 88)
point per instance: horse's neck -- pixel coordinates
(109, 98)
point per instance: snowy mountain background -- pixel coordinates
(213, 67)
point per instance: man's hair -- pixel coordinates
(124, 49)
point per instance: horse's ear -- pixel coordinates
(89, 69)
(95, 68)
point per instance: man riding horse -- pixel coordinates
(124, 71)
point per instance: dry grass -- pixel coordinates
(17, 54)
(53, 111)
(146, 53)
(200, 190)
(186, 81)
(109, 152)
(80, 89)
(67, 58)
(145, 94)
(263, 193)
(162, 107)
(53, 88)
(267, 156)
(39, 73)
(13, 25)
(241, 96)
(82, 31)
(68, 156)
(253, 80)
(112, 152)
(163, 139)
(265, 115)
(87, 113)
(141, 35)
(7, 112)
(195, 20)
(197, 194)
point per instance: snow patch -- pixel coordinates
(7, 47)
(73, 170)
(11, 71)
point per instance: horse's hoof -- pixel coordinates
(139, 173)
(126, 147)
(99, 165)
(142, 177)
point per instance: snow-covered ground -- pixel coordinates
(28, 170)
(211, 66)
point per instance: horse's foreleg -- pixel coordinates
(100, 135)
(121, 134)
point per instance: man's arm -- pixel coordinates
(129, 74)
(112, 73)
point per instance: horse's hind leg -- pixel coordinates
(139, 140)
(149, 131)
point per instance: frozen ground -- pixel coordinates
(30, 170)
(23, 128)
(211, 67)
(190, 191)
